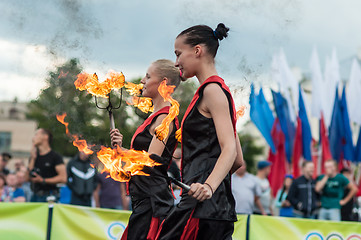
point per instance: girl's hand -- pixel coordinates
(116, 137)
(200, 191)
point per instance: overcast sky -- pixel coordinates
(36, 36)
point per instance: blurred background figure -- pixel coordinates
(19, 165)
(22, 183)
(302, 194)
(82, 179)
(4, 159)
(2, 187)
(246, 191)
(263, 170)
(46, 167)
(347, 209)
(10, 192)
(331, 186)
(285, 207)
(110, 193)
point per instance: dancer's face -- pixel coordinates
(186, 57)
(151, 83)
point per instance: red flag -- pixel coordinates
(297, 150)
(278, 159)
(325, 145)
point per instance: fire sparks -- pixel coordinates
(121, 164)
(240, 111)
(163, 129)
(90, 83)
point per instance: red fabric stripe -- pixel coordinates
(326, 153)
(297, 150)
(125, 234)
(153, 229)
(191, 229)
(147, 122)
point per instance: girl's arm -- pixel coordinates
(239, 159)
(156, 146)
(215, 103)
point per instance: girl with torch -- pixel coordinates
(151, 196)
(210, 146)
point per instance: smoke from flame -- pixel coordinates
(90, 83)
(163, 129)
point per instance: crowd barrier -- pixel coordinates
(38, 221)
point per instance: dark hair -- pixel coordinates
(202, 34)
(305, 163)
(50, 135)
(345, 170)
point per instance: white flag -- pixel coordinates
(317, 85)
(353, 96)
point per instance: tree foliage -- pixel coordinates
(250, 151)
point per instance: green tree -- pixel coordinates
(250, 151)
(92, 124)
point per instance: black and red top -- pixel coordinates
(200, 152)
(154, 187)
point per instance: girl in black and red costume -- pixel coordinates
(211, 150)
(151, 195)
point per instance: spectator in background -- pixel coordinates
(24, 184)
(82, 179)
(286, 210)
(19, 165)
(2, 186)
(331, 187)
(4, 159)
(346, 210)
(46, 167)
(110, 193)
(263, 170)
(246, 191)
(302, 194)
(11, 193)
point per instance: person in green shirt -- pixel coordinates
(331, 186)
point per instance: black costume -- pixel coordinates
(82, 181)
(213, 218)
(151, 196)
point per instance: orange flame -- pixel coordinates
(163, 129)
(121, 164)
(90, 82)
(79, 143)
(133, 89)
(240, 111)
(143, 103)
(178, 135)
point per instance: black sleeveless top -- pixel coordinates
(153, 187)
(200, 151)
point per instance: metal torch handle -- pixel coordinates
(111, 120)
(180, 184)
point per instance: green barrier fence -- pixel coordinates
(30, 221)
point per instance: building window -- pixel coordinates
(5, 141)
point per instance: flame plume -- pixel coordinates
(240, 111)
(163, 129)
(178, 135)
(143, 103)
(90, 83)
(120, 164)
(133, 89)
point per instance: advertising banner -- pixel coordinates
(75, 222)
(240, 228)
(26, 221)
(279, 228)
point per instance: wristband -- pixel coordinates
(44, 181)
(209, 187)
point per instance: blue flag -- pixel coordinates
(261, 115)
(347, 144)
(358, 148)
(335, 135)
(306, 129)
(287, 126)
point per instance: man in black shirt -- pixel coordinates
(302, 194)
(82, 179)
(46, 167)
